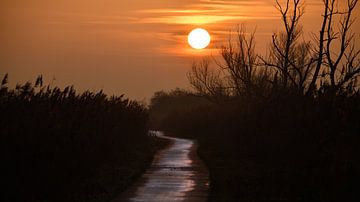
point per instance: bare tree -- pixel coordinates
(339, 66)
(290, 58)
(240, 62)
(207, 82)
(289, 38)
(300, 67)
(293, 63)
(238, 74)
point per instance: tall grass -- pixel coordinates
(57, 144)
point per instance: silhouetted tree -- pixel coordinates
(293, 64)
(237, 75)
(339, 67)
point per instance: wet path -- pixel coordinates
(176, 174)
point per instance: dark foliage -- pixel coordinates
(163, 104)
(58, 145)
(284, 148)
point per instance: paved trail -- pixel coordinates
(176, 174)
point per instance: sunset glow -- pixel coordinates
(112, 45)
(180, 100)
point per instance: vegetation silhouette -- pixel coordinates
(280, 127)
(59, 145)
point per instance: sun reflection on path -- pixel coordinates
(175, 175)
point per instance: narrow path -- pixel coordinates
(176, 174)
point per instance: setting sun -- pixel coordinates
(199, 38)
(192, 100)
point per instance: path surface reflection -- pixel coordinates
(176, 174)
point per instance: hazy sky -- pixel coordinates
(135, 47)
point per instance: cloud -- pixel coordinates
(234, 2)
(207, 12)
(191, 20)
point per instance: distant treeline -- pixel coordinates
(281, 127)
(59, 145)
(290, 148)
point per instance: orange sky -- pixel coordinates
(134, 47)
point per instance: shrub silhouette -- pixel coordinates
(56, 143)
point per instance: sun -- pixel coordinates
(199, 38)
